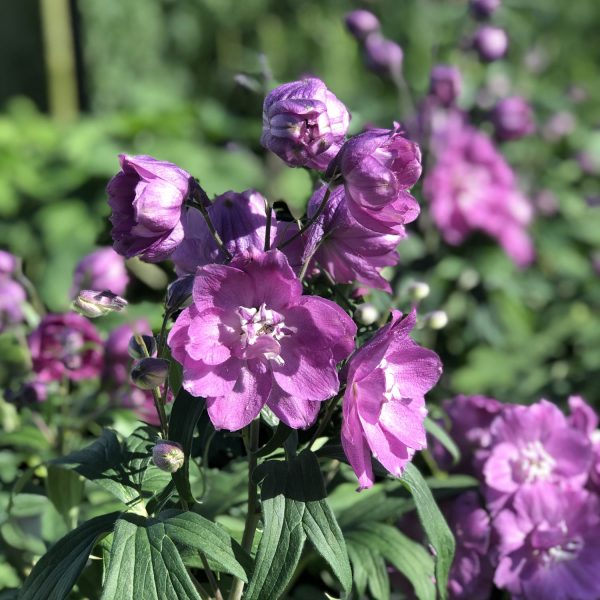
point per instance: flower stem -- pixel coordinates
(310, 221)
(326, 419)
(268, 227)
(252, 515)
(211, 578)
(197, 202)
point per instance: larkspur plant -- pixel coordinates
(289, 373)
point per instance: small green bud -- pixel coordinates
(93, 304)
(149, 373)
(366, 313)
(168, 456)
(137, 351)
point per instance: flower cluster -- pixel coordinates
(535, 531)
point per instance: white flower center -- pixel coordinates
(535, 464)
(261, 328)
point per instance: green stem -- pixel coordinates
(211, 578)
(197, 202)
(326, 419)
(237, 586)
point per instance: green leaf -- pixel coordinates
(145, 564)
(409, 557)
(184, 416)
(370, 569)
(65, 490)
(440, 434)
(294, 508)
(56, 572)
(190, 530)
(434, 524)
(281, 435)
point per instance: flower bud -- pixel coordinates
(383, 56)
(483, 9)
(137, 351)
(179, 293)
(366, 314)
(361, 23)
(168, 456)
(513, 118)
(103, 269)
(490, 43)
(437, 319)
(304, 123)
(418, 290)
(445, 84)
(8, 263)
(92, 304)
(149, 373)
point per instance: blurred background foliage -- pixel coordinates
(173, 78)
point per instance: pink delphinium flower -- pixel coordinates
(470, 419)
(146, 198)
(550, 545)
(471, 187)
(103, 269)
(239, 218)
(65, 346)
(472, 572)
(378, 167)
(384, 405)
(347, 250)
(304, 123)
(531, 445)
(250, 338)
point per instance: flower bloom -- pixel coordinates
(250, 338)
(491, 43)
(65, 346)
(103, 269)
(513, 118)
(472, 571)
(470, 420)
(550, 545)
(240, 220)
(146, 199)
(378, 168)
(345, 248)
(304, 123)
(12, 298)
(384, 405)
(531, 445)
(471, 187)
(445, 82)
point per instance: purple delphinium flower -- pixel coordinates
(378, 167)
(383, 56)
(445, 82)
(472, 572)
(12, 298)
(304, 123)
(8, 263)
(146, 199)
(361, 23)
(483, 9)
(531, 445)
(250, 338)
(117, 366)
(65, 346)
(491, 43)
(103, 269)
(471, 187)
(240, 220)
(346, 249)
(384, 404)
(470, 419)
(513, 118)
(550, 545)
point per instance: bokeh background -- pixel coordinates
(182, 80)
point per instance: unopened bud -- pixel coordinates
(366, 314)
(383, 56)
(137, 350)
(179, 293)
(149, 373)
(491, 43)
(437, 319)
(483, 9)
(92, 304)
(168, 456)
(418, 290)
(361, 23)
